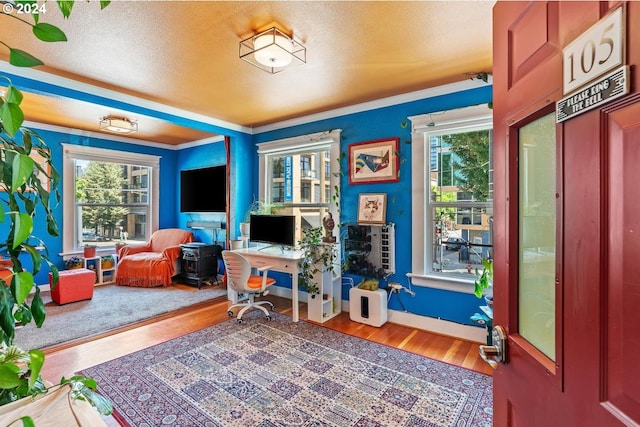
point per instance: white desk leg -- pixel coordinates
(294, 297)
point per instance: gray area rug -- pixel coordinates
(111, 307)
(278, 373)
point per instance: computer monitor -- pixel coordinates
(277, 230)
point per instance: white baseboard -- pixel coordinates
(438, 326)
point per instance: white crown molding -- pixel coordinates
(199, 142)
(98, 135)
(372, 105)
(37, 75)
(41, 76)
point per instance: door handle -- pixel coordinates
(496, 353)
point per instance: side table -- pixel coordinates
(104, 276)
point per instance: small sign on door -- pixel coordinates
(610, 87)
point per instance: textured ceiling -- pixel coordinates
(184, 55)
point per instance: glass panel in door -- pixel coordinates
(537, 234)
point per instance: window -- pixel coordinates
(299, 174)
(452, 209)
(109, 196)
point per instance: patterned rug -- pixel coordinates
(279, 373)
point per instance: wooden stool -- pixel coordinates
(73, 285)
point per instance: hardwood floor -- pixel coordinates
(66, 359)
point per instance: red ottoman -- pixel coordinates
(73, 285)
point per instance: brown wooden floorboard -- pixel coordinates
(66, 359)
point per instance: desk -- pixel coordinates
(285, 262)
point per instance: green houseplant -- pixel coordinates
(73, 262)
(25, 196)
(318, 256)
(257, 207)
(484, 278)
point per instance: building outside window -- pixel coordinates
(452, 169)
(297, 173)
(110, 197)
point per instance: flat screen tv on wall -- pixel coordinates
(203, 189)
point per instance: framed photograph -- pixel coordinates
(373, 161)
(372, 208)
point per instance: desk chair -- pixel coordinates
(240, 279)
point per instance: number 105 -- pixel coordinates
(596, 51)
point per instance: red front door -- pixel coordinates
(566, 227)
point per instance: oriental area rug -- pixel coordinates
(278, 373)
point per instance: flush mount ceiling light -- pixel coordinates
(272, 51)
(117, 124)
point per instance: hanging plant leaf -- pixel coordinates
(23, 282)
(22, 170)
(9, 376)
(20, 58)
(12, 117)
(23, 226)
(49, 33)
(65, 7)
(14, 95)
(37, 360)
(37, 308)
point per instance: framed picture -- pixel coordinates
(372, 208)
(373, 161)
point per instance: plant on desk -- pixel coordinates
(318, 256)
(257, 207)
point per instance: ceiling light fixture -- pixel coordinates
(118, 124)
(272, 51)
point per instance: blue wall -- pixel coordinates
(387, 123)
(168, 193)
(243, 180)
(358, 127)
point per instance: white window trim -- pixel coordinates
(299, 144)
(72, 152)
(422, 128)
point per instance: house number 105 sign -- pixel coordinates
(595, 52)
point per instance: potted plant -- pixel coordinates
(257, 207)
(106, 262)
(318, 256)
(89, 251)
(24, 195)
(73, 263)
(484, 281)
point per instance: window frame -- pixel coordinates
(321, 141)
(70, 153)
(424, 126)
